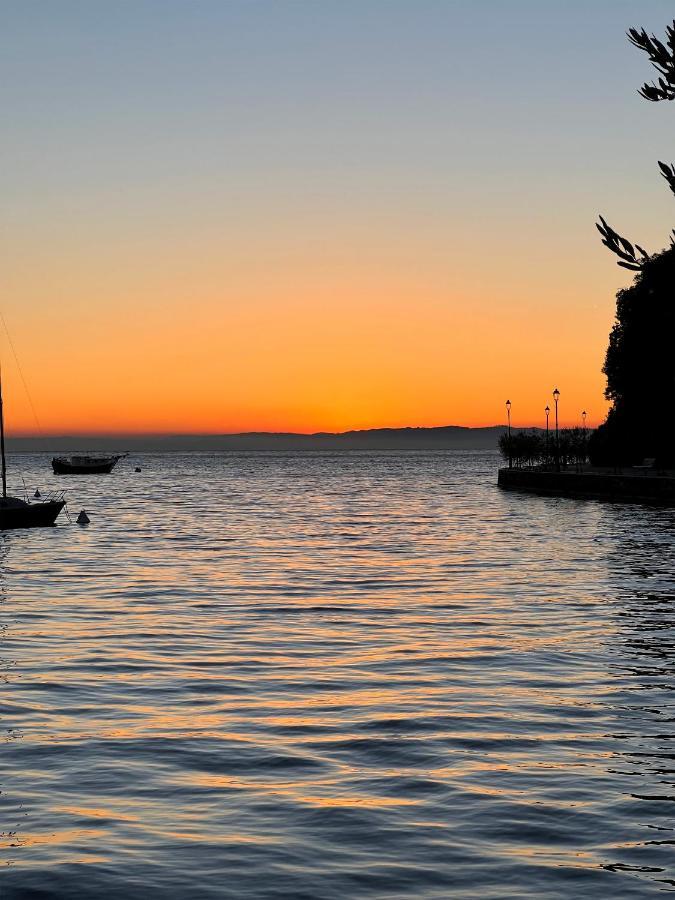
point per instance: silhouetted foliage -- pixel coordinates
(640, 369)
(573, 446)
(623, 248)
(615, 444)
(529, 448)
(524, 448)
(668, 173)
(662, 57)
(640, 363)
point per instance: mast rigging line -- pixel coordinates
(23, 380)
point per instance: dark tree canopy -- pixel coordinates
(640, 360)
(640, 369)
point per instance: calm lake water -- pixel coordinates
(335, 676)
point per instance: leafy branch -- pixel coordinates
(628, 258)
(668, 173)
(662, 57)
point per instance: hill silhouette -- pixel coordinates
(448, 437)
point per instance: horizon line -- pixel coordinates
(32, 435)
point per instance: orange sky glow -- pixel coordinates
(280, 350)
(234, 217)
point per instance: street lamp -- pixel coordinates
(556, 397)
(547, 411)
(508, 416)
(583, 419)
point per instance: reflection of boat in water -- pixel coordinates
(85, 465)
(17, 513)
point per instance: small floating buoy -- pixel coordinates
(137, 469)
(37, 494)
(83, 518)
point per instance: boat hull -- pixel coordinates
(62, 467)
(30, 515)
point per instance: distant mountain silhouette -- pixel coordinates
(448, 437)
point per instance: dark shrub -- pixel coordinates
(528, 448)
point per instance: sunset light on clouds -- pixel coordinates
(299, 217)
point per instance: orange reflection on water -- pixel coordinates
(297, 791)
(229, 837)
(93, 813)
(66, 837)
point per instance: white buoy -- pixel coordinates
(83, 518)
(37, 494)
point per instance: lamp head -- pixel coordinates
(508, 404)
(556, 395)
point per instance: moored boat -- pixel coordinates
(17, 513)
(85, 465)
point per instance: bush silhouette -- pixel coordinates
(529, 448)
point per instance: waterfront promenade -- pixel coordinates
(630, 484)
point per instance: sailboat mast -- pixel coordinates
(2, 442)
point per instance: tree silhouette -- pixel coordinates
(640, 359)
(662, 58)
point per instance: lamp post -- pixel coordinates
(508, 417)
(547, 411)
(583, 419)
(556, 397)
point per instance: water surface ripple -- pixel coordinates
(335, 676)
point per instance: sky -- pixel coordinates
(318, 215)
